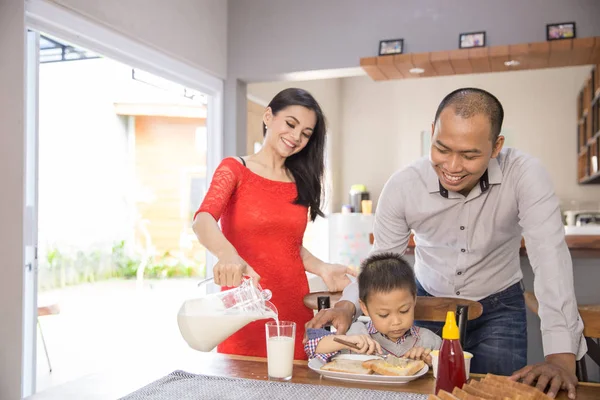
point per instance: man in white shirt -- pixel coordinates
(469, 205)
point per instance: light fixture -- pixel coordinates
(512, 63)
(416, 71)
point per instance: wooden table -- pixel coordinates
(256, 368)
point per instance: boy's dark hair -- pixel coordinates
(383, 273)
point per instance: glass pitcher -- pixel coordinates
(206, 321)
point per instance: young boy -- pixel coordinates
(388, 294)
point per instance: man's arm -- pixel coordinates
(391, 230)
(543, 230)
(561, 326)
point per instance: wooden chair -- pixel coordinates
(590, 315)
(433, 309)
(51, 309)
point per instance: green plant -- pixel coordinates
(125, 266)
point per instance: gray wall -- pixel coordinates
(268, 39)
(272, 37)
(193, 31)
(12, 147)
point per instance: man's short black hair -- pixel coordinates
(468, 102)
(383, 273)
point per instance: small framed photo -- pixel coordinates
(563, 30)
(392, 46)
(471, 39)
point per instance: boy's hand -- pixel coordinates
(365, 343)
(419, 353)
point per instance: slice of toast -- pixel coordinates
(433, 397)
(475, 389)
(399, 367)
(496, 387)
(347, 366)
(462, 395)
(521, 387)
(443, 395)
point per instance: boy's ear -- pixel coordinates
(363, 307)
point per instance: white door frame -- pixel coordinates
(30, 231)
(47, 17)
(44, 16)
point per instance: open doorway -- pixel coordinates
(94, 148)
(122, 168)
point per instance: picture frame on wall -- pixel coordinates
(560, 31)
(391, 47)
(471, 40)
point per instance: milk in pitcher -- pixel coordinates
(204, 322)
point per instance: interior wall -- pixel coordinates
(269, 39)
(193, 31)
(12, 179)
(327, 92)
(382, 123)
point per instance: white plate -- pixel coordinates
(315, 364)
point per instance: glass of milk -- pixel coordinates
(280, 349)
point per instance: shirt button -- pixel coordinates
(462, 228)
(459, 273)
(458, 293)
(462, 250)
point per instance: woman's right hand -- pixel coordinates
(230, 270)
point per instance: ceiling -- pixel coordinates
(550, 54)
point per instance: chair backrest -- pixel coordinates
(427, 309)
(435, 308)
(590, 315)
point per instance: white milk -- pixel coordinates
(280, 356)
(204, 324)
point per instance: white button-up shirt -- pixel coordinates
(468, 247)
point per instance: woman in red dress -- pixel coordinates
(263, 202)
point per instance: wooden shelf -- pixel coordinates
(588, 129)
(549, 54)
(595, 178)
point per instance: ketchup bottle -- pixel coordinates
(451, 361)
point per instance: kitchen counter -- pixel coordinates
(581, 246)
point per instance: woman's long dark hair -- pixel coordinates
(308, 165)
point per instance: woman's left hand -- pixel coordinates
(335, 276)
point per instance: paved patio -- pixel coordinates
(112, 325)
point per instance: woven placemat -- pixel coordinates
(180, 385)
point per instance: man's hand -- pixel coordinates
(335, 276)
(558, 371)
(340, 317)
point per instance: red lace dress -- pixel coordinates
(259, 219)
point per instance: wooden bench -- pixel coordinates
(50, 309)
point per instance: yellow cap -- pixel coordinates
(450, 330)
